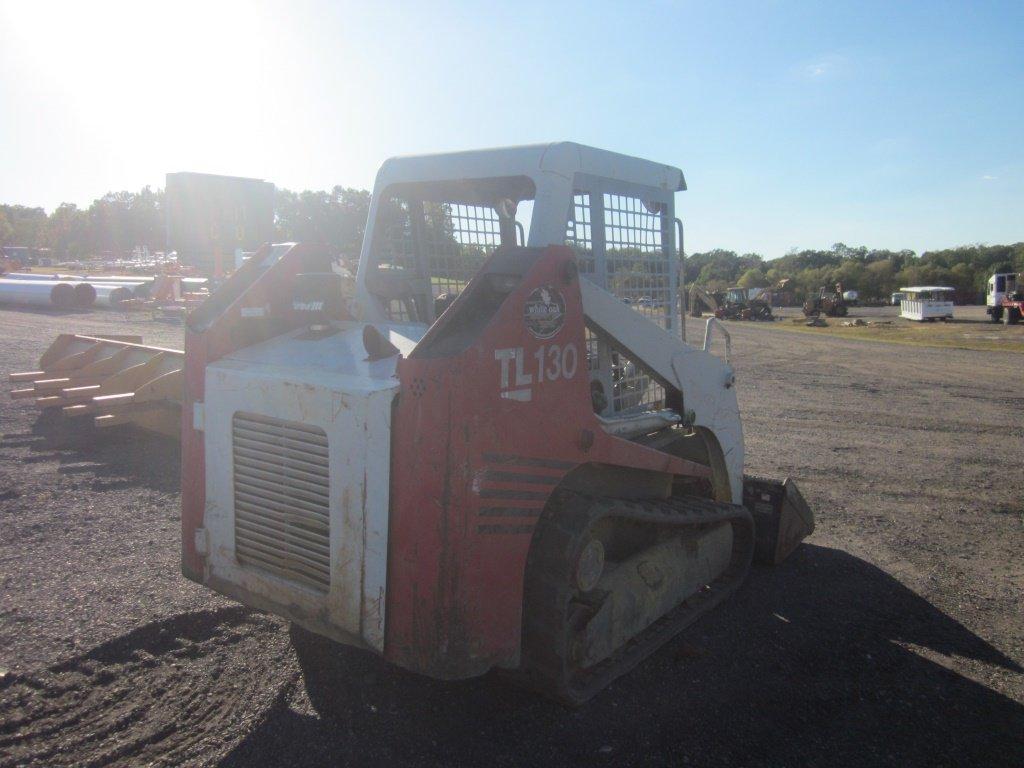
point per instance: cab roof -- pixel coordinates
(564, 158)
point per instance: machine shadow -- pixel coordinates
(113, 457)
(813, 662)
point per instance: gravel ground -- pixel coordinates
(895, 636)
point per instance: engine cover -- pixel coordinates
(297, 436)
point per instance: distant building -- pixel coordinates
(209, 217)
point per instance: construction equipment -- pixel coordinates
(826, 302)
(113, 380)
(1004, 297)
(781, 294)
(8, 264)
(700, 299)
(535, 476)
(734, 304)
(737, 304)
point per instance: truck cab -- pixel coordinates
(1002, 286)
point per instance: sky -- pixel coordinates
(797, 125)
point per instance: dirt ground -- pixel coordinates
(895, 636)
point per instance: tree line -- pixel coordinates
(874, 273)
(112, 224)
(117, 222)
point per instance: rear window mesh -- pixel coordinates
(455, 239)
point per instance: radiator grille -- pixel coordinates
(281, 490)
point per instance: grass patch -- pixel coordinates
(958, 334)
(45, 271)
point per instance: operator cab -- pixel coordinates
(435, 219)
(1000, 286)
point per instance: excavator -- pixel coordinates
(493, 451)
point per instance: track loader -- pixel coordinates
(495, 450)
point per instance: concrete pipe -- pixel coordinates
(41, 276)
(141, 286)
(27, 276)
(85, 295)
(121, 278)
(112, 295)
(39, 293)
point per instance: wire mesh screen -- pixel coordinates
(628, 386)
(450, 240)
(457, 240)
(620, 244)
(579, 233)
(395, 250)
(637, 271)
(636, 258)
(633, 386)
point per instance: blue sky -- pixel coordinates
(895, 125)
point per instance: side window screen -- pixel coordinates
(624, 245)
(636, 259)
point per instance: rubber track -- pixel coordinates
(559, 536)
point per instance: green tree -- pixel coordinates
(879, 279)
(753, 278)
(851, 274)
(719, 268)
(67, 231)
(27, 224)
(6, 230)
(336, 218)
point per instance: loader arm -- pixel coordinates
(705, 381)
(698, 294)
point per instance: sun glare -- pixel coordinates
(169, 80)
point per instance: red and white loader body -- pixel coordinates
(495, 453)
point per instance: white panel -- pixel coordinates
(326, 383)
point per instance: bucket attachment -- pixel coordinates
(113, 379)
(782, 518)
